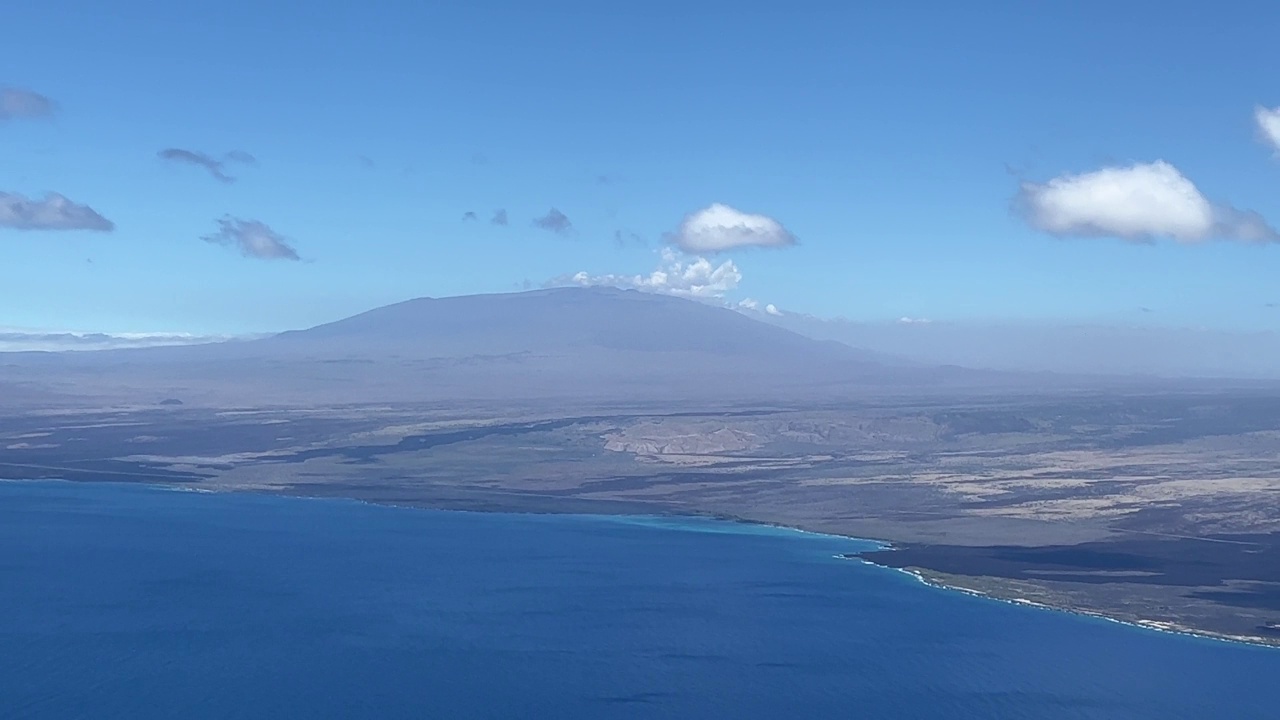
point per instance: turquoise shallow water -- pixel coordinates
(136, 602)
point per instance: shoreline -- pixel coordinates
(656, 513)
(1148, 625)
(919, 576)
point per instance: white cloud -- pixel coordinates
(914, 321)
(1140, 203)
(676, 275)
(751, 306)
(719, 227)
(1268, 120)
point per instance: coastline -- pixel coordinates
(921, 575)
(1158, 626)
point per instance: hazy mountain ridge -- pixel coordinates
(588, 344)
(571, 320)
(559, 320)
(1083, 349)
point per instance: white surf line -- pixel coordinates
(1157, 626)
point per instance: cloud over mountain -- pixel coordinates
(718, 228)
(675, 275)
(17, 340)
(53, 212)
(252, 238)
(1140, 203)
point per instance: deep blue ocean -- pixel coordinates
(136, 602)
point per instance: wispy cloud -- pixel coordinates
(718, 228)
(16, 340)
(1268, 122)
(214, 166)
(499, 217)
(914, 321)
(53, 212)
(676, 275)
(252, 238)
(1138, 203)
(17, 103)
(469, 216)
(751, 306)
(554, 221)
(627, 238)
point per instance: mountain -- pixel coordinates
(1061, 348)
(585, 345)
(561, 321)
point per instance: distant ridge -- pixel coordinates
(580, 345)
(565, 320)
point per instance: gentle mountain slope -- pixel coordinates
(579, 344)
(560, 321)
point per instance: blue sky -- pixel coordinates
(888, 139)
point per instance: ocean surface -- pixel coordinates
(120, 601)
